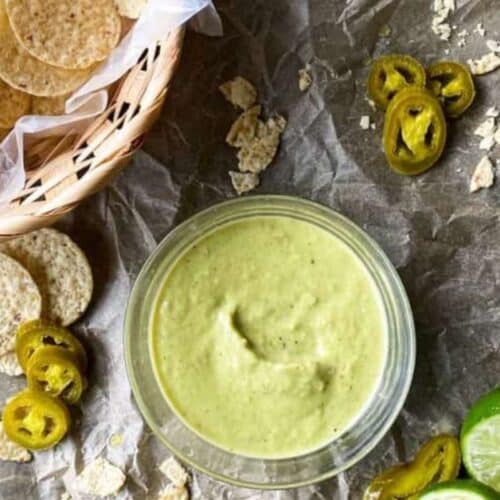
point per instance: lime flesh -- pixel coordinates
(480, 440)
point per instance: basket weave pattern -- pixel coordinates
(63, 171)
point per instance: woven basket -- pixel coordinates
(63, 171)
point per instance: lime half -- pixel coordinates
(480, 440)
(465, 489)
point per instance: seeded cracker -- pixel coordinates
(60, 269)
(20, 300)
(130, 8)
(49, 106)
(23, 72)
(71, 34)
(13, 105)
(10, 451)
(100, 478)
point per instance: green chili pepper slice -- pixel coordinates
(437, 461)
(414, 131)
(452, 83)
(55, 371)
(28, 342)
(390, 74)
(34, 420)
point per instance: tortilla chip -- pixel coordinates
(13, 104)
(72, 34)
(130, 8)
(60, 269)
(21, 300)
(49, 106)
(23, 72)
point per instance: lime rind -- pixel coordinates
(480, 440)
(464, 489)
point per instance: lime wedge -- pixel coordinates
(465, 489)
(480, 440)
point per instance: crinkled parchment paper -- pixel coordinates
(444, 241)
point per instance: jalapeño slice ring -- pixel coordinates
(55, 371)
(35, 420)
(414, 131)
(452, 83)
(391, 74)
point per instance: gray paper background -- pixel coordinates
(444, 241)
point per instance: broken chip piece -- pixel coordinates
(100, 478)
(483, 176)
(239, 92)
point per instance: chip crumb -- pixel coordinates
(173, 492)
(486, 129)
(305, 78)
(497, 136)
(483, 176)
(480, 29)
(493, 45)
(65, 496)
(10, 451)
(486, 64)
(364, 122)
(174, 471)
(487, 143)
(116, 439)
(10, 365)
(371, 103)
(492, 112)
(385, 31)
(373, 126)
(442, 9)
(100, 478)
(257, 154)
(239, 92)
(243, 182)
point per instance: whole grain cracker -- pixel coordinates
(10, 451)
(20, 300)
(60, 269)
(10, 365)
(49, 106)
(130, 8)
(71, 34)
(22, 71)
(100, 478)
(13, 105)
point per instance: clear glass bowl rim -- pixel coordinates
(202, 223)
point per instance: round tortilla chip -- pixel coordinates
(23, 72)
(20, 300)
(49, 106)
(60, 269)
(71, 34)
(13, 104)
(130, 8)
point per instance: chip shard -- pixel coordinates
(100, 478)
(305, 78)
(173, 492)
(483, 176)
(486, 64)
(174, 471)
(243, 182)
(239, 92)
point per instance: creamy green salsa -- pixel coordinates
(268, 337)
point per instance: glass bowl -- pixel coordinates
(342, 452)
